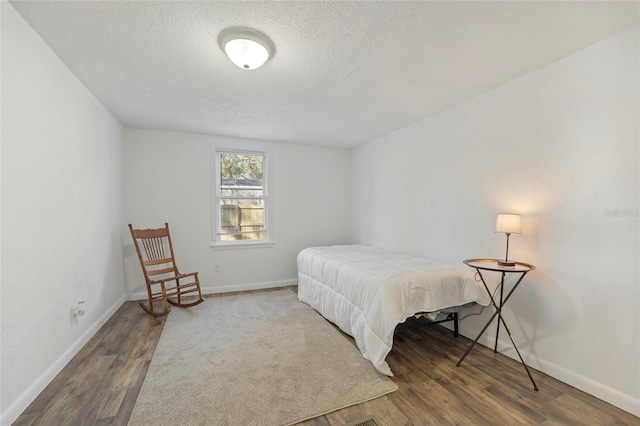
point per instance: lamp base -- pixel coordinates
(506, 263)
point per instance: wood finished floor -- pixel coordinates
(100, 385)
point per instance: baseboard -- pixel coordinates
(612, 396)
(29, 395)
(247, 287)
(605, 393)
(227, 288)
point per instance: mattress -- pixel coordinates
(367, 292)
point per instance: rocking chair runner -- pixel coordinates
(157, 261)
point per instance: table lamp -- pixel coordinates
(508, 223)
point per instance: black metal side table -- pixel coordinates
(492, 265)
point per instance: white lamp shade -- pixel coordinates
(509, 223)
(245, 47)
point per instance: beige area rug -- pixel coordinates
(252, 359)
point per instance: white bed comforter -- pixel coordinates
(368, 291)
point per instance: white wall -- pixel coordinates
(61, 214)
(168, 178)
(561, 147)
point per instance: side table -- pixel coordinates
(492, 265)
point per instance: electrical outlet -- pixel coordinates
(75, 312)
(79, 310)
(216, 267)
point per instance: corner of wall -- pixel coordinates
(31, 393)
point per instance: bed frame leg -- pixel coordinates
(451, 316)
(455, 324)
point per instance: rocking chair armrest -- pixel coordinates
(173, 278)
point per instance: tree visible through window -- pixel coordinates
(241, 196)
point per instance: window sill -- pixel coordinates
(215, 245)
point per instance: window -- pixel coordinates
(241, 197)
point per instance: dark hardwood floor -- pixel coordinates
(100, 385)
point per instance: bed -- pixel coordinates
(367, 292)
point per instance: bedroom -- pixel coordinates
(556, 142)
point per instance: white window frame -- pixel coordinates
(217, 242)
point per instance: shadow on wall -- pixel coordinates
(133, 279)
(534, 308)
(112, 285)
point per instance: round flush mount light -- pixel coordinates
(247, 48)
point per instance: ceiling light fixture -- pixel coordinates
(246, 47)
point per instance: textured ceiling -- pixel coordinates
(343, 73)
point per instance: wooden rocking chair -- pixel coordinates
(161, 273)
